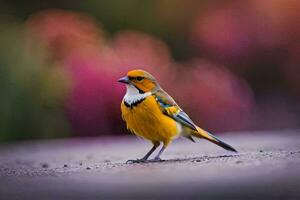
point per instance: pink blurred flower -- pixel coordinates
(222, 32)
(65, 31)
(240, 29)
(94, 102)
(215, 98)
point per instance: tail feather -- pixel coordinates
(200, 133)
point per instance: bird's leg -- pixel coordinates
(157, 157)
(155, 145)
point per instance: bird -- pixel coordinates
(152, 114)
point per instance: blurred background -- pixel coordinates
(231, 65)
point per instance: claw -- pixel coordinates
(135, 161)
(156, 160)
(144, 160)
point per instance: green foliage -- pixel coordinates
(32, 90)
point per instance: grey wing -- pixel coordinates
(183, 118)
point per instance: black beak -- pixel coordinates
(124, 79)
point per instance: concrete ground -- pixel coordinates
(266, 167)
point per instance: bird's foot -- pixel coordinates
(136, 161)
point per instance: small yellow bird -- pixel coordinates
(152, 114)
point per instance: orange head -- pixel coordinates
(141, 80)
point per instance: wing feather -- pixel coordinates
(170, 108)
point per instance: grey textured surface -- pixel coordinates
(266, 167)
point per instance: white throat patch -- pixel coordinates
(132, 95)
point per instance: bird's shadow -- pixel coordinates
(190, 159)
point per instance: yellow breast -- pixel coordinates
(147, 120)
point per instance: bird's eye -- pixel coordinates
(139, 78)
